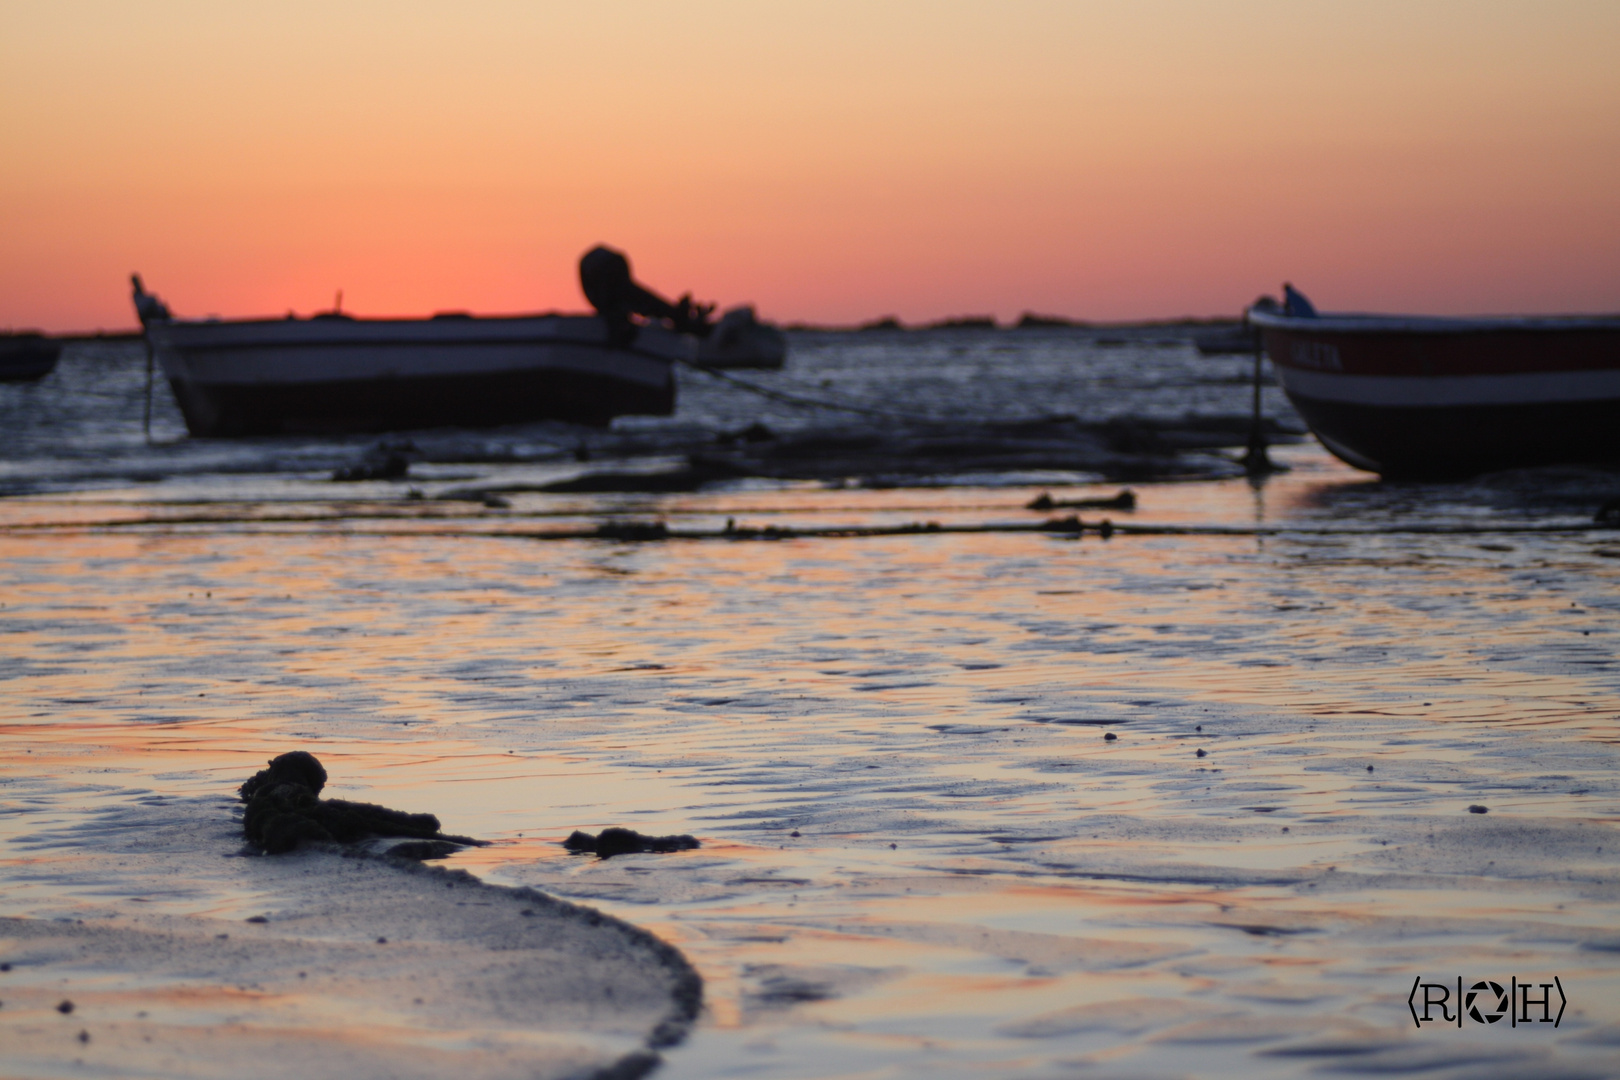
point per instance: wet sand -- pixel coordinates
(922, 855)
(152, 943)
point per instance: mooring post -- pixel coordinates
(1256, 462)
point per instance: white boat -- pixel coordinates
(740, 340)
(332, 373)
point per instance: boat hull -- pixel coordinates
(1443, 399)
(353, 376)
(27, 357)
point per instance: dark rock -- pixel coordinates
(1202, 754)
(1029, 320)
(635, 531)
(1478, 809)
(393, 466)
(294, 767)
(753, 433)
(963, 322)
(888, 322)
(1110, 737)
(65, 1007)
(284, 807)
(1125, 500)
(617, 841)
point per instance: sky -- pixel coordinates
(827, 161)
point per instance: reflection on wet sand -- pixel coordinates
(921, 855)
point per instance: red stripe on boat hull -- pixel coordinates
(1506, 351)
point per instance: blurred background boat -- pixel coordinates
(1233, 340)
(1421, 397)
(740, 340)
(27, 356)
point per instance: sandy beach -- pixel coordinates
(321, 962)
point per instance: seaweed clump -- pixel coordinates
(284, 807)
(617, 841)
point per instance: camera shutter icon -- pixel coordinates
(1494, 999)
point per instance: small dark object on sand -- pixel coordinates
(753, 433)
(1478, 809)
(65, 1008)
(1070, 524)
(1110, 737)
(1202, 754)
(617, 841)
(284, 806)
(392, 467)
(634, 531)
(1125, 500)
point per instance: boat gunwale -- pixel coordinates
(1359, 323)
(193, 336)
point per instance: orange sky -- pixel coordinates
(828, 161)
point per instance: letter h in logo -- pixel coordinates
(1523, 1000)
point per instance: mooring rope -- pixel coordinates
(809, 402)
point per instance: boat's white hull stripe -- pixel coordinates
(1451, 391)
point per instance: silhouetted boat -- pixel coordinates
(333, 373)
(26, 357)
(1226, 341)
(1448, 397)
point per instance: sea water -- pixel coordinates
(1364, 734)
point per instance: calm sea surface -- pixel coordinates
(922, 853)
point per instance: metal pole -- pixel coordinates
(1256, 461)
(146, 422)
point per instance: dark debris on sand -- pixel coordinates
(284, 807)
(907, 453)
(617, 841)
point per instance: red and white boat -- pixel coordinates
(1422, 397)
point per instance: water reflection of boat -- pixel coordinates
(27, 357)
(1448, 397)
(334, 373)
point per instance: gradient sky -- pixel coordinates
(828, 161)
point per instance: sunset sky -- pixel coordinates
(828, 161)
